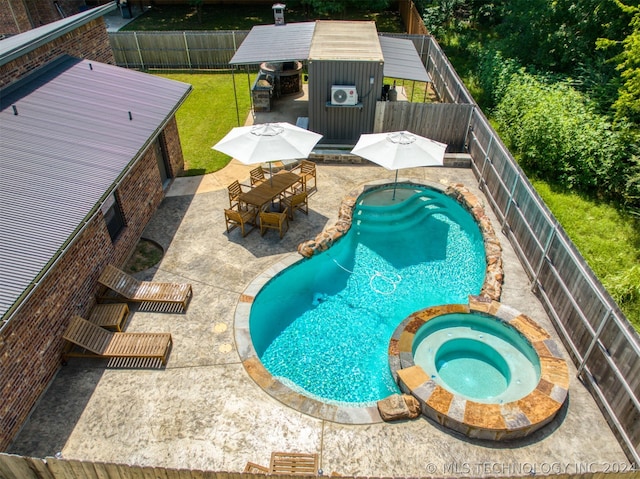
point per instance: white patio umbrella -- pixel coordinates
(399, 149)
(267, 142)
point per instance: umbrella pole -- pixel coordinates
(394, 186)
(270, 174)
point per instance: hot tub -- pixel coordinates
(482, 369)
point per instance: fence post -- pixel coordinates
(506, 210)
(594, 341)
(469, 128)
(186, 49)
(484, 163)
(135, 36)
(552, 235)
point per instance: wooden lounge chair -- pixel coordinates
(294, 463)
(235, 217)
(98, 342)
(276, 221)
(128, 287)
(307, 171)
(298, 201)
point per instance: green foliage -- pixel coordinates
(443, 16)
(558, 35)
(558, 137)
(231, 17)
(494, 74)
(627, 106)
(327, 7)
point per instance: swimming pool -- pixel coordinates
(322, 326)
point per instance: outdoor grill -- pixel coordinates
(286, 76)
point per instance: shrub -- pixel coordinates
(558, 137)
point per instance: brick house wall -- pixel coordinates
(14, 17)
(42, 12)
(31, 343)
(17, 16)
(89, 41)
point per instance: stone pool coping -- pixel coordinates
(345, 414)
(511, 420)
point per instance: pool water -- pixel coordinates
(323, 325)
(478, 357)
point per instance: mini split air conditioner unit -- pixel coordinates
(344, 95)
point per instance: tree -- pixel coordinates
(326, 7)
(627, 106)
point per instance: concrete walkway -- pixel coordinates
(204, 411)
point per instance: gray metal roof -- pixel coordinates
(275, 43)
(331, 40)
(64, 150)
(18, 45)
(401, 60)
(350, 41)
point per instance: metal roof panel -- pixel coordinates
(275, 43)
(401, 60)
(345, 40)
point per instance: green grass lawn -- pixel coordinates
(207, 115)
(230, 17)
(607, 238)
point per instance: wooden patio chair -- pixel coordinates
(276, 221)
(101, 343)
(257, 176)
(298, 201)
(307, 171)
(235, 217)
(235, 190)
(294, 463)
(133, 290)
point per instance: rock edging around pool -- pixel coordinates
(507, 421)
(494, 276)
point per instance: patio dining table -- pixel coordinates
(268, 190)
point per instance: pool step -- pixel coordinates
(405, 214)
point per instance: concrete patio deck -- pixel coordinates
(204, 411)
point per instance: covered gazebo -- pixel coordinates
(347, 62)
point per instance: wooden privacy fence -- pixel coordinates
(175, 50)
(19, 467)
(438, 121)
(412, 20)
